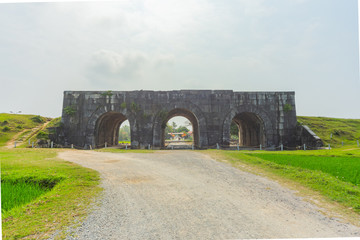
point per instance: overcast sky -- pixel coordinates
(306, 46)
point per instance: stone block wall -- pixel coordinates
(93, 117)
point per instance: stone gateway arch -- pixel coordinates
(93, 118)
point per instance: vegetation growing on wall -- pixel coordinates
(70, 110)
(123, 105)
(163, 114)
(134, 107)
(108, 93)
(287, 108)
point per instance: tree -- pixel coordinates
(124, 133)
(234, 130)
(174, 125)
(168, 129)
(182, 129)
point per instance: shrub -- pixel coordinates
(42, 135)
(37, 119)
(6, 129)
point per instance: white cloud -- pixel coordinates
(109, 66)
(106, 67)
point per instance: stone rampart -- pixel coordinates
(93, 117)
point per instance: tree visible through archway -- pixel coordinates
(247, 129)
(178, 132)
(124, 134)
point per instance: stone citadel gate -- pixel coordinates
(91, 118)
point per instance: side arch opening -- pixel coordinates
(194, 134)
(247, 129)
(107, 129)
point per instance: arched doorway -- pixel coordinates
(186, 114)
(250, 132)
(107, 129)
(124, 134)
(179, 133)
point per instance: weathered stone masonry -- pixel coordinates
(93, 117)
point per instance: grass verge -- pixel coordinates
(15, 194)
(73, 189)
(340, 198)
(346, 169)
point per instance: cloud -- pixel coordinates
(110, 68)
(107, 66)
(163, 61)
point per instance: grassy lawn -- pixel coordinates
(19, 193)
(346, 169)
(51, 193)
(10, 124)
(331, 175)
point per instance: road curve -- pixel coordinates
(188, 195)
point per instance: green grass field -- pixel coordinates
(334, 174)
(62, 192)
(346, 169)
(340, 130)
(15, 194)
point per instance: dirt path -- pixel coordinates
(10, 144)
(187, 195)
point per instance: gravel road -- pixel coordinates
(188, 195)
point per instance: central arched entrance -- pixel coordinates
(182, 113)
(107, 129)
(179, 133)
(250, 130)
